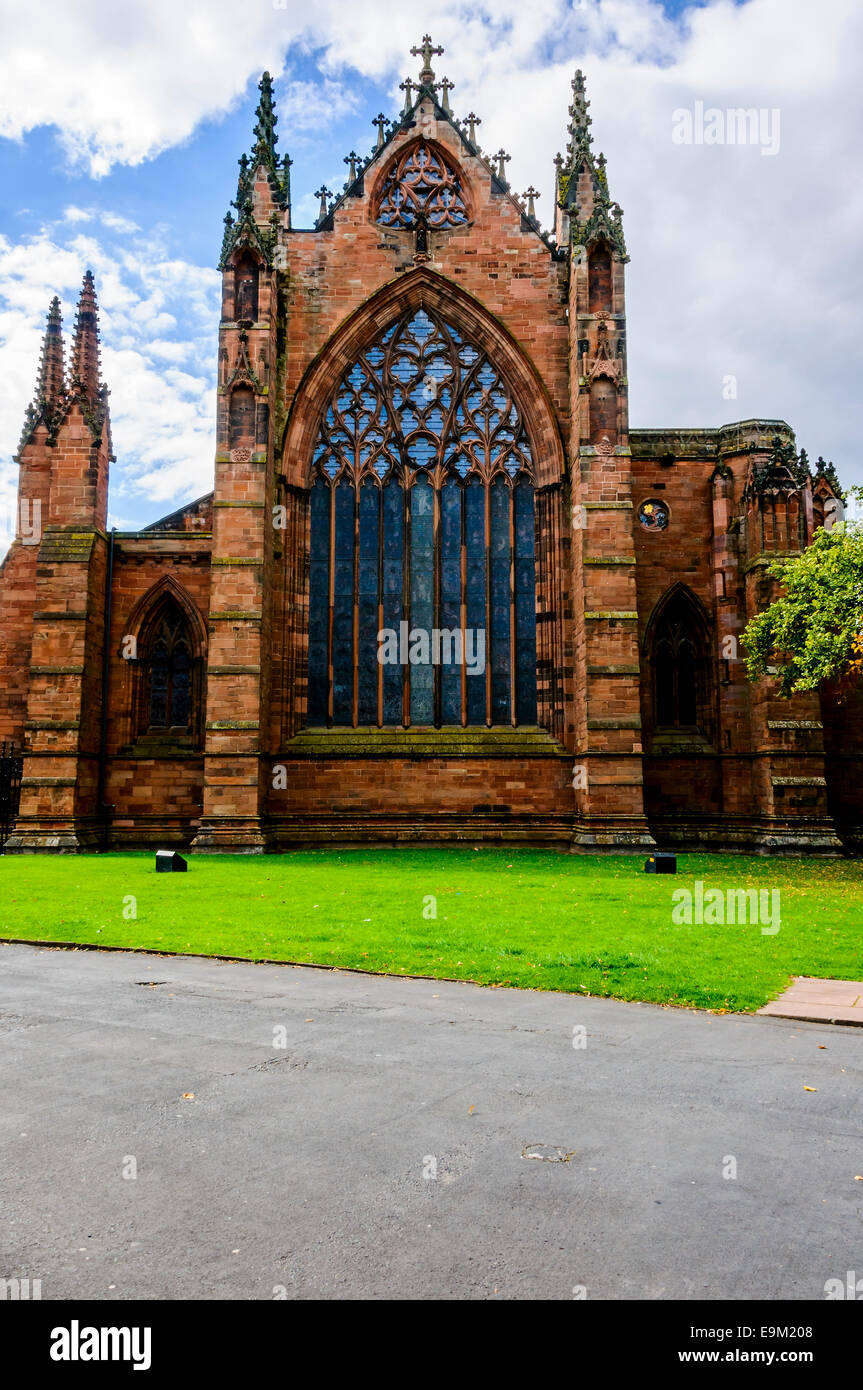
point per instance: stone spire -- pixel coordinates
(85, 383)
(51, 382)
(259, 200)
(580, 138)
(264, 155)
(265, 124)
(582, 182)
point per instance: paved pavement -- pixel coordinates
(300, 1171)
(830, 1001)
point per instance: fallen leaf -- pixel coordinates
(188, 1095)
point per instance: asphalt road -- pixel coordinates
(383, 1150)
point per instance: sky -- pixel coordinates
(121, 124)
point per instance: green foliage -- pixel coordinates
(813, 631)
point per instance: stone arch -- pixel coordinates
(422, 288)
(246, 283)
(166, 604)
(600, 296)
(241, 416)
(145, 608)
(397, 161)
(679, 664)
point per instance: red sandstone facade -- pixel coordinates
(646, 729)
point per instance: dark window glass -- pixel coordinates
(422, 535)
(168, 669)
(501, 601)
(319, 611)
(525, 605)
(679, 667)
(450, 596)
(242, 416)
(343, 605)
(160, 679)
(687, 701)
(422, 600)
(180, 687)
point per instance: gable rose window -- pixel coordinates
(422, 186)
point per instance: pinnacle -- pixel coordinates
(264, 154)
(51, 386)
(590, 207)
(266, 122)
(54, 391)
(85, 350)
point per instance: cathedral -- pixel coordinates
(442, 591)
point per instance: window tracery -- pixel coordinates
(422, 185)
(422, 522)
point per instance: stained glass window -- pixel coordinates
(169, 670)
(422, 184)
(422, 606)
(680, 667)
(653, 515)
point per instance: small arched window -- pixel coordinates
(603, 411)
(246, 277)
(680, 662)
(166, 697)
(599, 295)
(168, 667)
(242, 416)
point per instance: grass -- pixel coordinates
(536, 919)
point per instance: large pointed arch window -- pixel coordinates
(422, 585)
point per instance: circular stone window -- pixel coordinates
(653, 515)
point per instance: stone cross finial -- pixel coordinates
(323, 193)
(380, 121)
(351, 159)
(473, 121)
(427, 51)
(407, 87)
(446, 87)
(530, 194)
(502, 158)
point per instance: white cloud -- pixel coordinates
(162, 390)
(741, 264)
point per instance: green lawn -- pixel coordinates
(529, 918)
